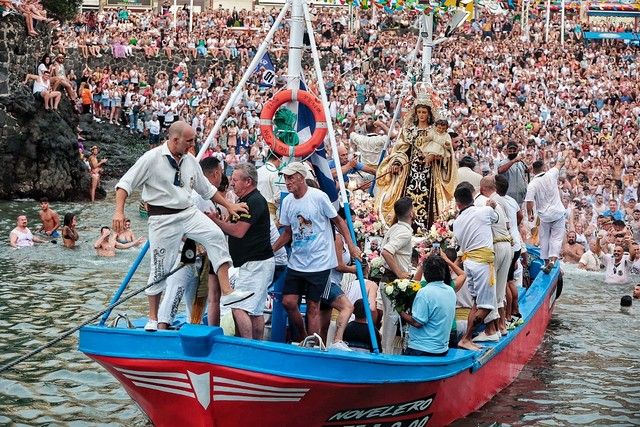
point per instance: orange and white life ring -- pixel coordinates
(266, 123)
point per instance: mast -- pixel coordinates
(336, 159)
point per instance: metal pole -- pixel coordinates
(254, 63)
(405, 88)
(336, 159)
(190, 16)
(426, 33)
(296, 36)
(546, 25)
(126, 280)
(562, 23)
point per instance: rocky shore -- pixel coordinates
(116, 144)
(39, 148)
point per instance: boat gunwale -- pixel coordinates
(458, 360)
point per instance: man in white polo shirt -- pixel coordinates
(167, 175)
(396, 251)
(543, 191)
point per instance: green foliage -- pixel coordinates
(62, 10)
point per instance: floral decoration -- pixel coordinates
(401, 293)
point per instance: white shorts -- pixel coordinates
(165, 238)
(180, 284)
(503, 258)
(255, 276)
(478, 275)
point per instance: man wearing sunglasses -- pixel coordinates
(617, 266)
(167, 175)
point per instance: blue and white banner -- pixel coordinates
(306, 126)
(265, 71)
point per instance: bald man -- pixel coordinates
(496, 320)
(349, 166)
(167, 175)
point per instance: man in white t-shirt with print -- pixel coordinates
(617, 266)
(307, 214)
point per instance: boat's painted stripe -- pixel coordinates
(221, 380)
(267, 357)
(222, 389)
(165, 389)
(158, 381)
(254, 399)
(154, 374)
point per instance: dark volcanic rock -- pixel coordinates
(117, 145)
(43, 150)
(39, 147)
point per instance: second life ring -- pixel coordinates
(266, 123)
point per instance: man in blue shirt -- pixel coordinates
(361, 91)
(349, 166)
(613, 211)
(432, 313)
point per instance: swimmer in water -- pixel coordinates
(127, 236)
(69, 232)
(106, 244)
(625, 304)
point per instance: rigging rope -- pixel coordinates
(86, 322)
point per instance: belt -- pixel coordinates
(162, 210)
(502, 239)
(484, 256)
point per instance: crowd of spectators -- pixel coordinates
(31, 10)
(508, 95)
(497, 83)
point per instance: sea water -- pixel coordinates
(585, 372)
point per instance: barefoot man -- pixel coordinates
(472, 230)
(167, 174)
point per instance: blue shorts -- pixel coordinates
(329, 297)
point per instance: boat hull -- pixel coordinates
(198, 391)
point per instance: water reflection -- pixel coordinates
(585, 372)
(48, 289)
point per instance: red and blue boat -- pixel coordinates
(196, 376)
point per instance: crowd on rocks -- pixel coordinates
(31, 10)
(492, 85)
(564, 117)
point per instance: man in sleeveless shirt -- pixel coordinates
(21, 236)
